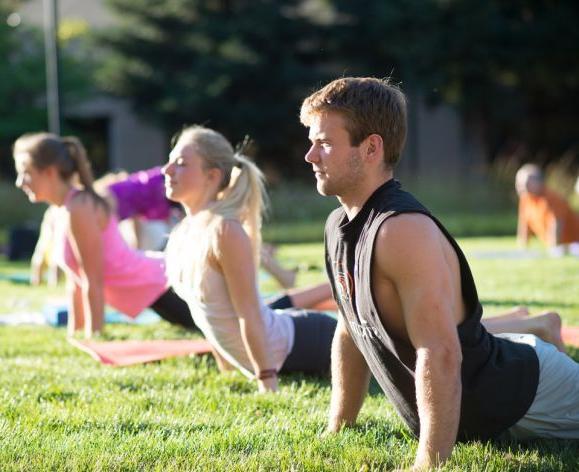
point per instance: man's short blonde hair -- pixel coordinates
(368, 106)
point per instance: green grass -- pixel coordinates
(480, 207)
(60, 410)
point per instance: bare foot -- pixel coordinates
(285, 277)
(268, 250)
(548, 328)
(516, 312)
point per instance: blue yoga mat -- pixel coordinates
(16, 278)
(56, 314)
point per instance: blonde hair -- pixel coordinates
(67, 154)
(241, 197)
(368, 106)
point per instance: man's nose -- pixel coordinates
(311, 155)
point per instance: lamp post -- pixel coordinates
(52, 65)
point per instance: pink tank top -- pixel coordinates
(133, 280)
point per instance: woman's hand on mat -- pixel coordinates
(267, 385)
(35, 273)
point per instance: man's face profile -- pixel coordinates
(335, 162)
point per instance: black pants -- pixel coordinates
(172, 308)
(314, 332)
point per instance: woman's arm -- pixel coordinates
(522, 227)
(235, 259)
(75, 320)
(222, 363)
(38, 259)
(86, 242)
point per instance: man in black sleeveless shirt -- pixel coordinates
(409, 310)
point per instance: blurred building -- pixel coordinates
(439, 141)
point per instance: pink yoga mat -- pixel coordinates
(570, 335)
(123, 353)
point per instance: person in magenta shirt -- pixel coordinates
(100, 267)
(138, 199)
(141, 193)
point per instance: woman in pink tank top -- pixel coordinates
(100, 267)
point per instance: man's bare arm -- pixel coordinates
(409, 253)
(555, 232)
(522, 232)
(350, 379)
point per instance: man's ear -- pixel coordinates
(374, 148)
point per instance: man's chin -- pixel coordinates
(324, 187)
(324, 190)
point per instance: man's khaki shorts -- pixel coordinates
(554, 412)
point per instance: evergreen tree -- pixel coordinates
(23, 79)
(243, 66)
(22, 72)
(239, 66)
(509, 66)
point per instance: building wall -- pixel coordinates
(133, 143)
(440, 142)
(94, 12)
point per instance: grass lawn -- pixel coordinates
(60, 410)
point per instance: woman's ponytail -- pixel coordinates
(77, 152)
(245, 198)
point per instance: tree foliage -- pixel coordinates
(22, 72)
(23, 79)
(239, 66)
(511, 66)
(243, 66)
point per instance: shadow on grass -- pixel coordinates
(320, 382)
(163, 430)
(555, 454)
(534, 303)
(384, 429)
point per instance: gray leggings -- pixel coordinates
(314, 331)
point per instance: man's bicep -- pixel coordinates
(410, 255)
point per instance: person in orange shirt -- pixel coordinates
(544, 213)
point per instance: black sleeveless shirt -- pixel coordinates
(499, 377)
